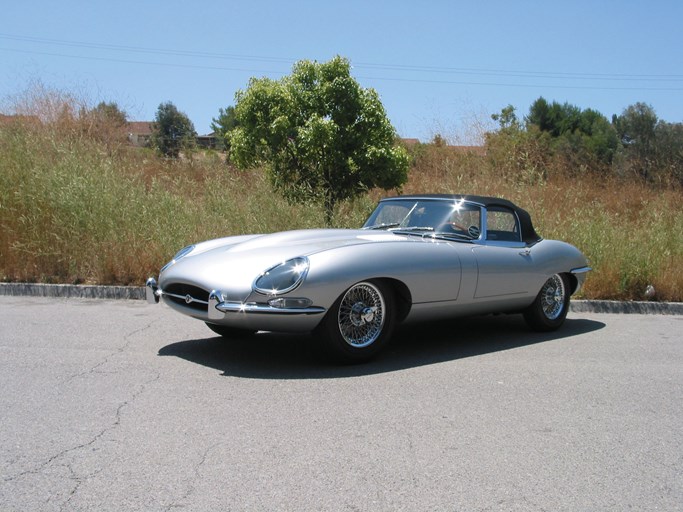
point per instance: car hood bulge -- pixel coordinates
(234, 266)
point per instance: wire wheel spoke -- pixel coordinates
(361, 315)
(553, 297)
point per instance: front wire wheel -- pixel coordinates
(359, 323)
(550, 308)
(361, 315)
(552, 297)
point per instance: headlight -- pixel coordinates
(180, 254)
(183, 252)
(282, 278)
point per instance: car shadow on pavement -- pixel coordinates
(293, 356)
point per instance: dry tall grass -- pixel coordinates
(75, 209)
(631, 232)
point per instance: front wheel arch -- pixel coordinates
(403, 297)
(573, 283)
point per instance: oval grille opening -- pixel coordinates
(187, 295)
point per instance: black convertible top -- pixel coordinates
(529, 235)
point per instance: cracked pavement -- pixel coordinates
(119, 405)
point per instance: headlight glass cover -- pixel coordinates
(282, 278)
(183, 252)
(180, 254)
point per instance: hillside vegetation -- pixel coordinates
(76, 207)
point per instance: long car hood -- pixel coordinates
(237, 261)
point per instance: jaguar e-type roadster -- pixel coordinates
(417, 258)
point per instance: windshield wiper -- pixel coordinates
(383, 226)
(413, 230)
(454, 236)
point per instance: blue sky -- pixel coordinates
(439, 66)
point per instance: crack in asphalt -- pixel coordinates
(191, 485)
(50, 461)
(113, 426)
(127, 341)
(78, 481)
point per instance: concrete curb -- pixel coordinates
(627, 307)
(70, 291)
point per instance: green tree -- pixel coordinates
(650, 148)
(507, 119)
(319, 134)
(581, 137)
(669, 150)
(600, 137)
(554, 118)
(636, 131)
(539, 115)
(636, 125)
(172, 131)
(110, 113)
(224, 123)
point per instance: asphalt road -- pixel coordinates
(126, 406)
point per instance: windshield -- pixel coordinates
(455, 218)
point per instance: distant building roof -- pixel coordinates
(140, 127)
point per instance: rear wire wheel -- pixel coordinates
(550, 308)
(359, 323)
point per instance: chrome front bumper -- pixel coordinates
(218, 307)
(152, 292)
(580, 274)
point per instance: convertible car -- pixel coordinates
(417, 258)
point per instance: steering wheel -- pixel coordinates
(457, 226)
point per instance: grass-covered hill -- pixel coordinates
(79, 207)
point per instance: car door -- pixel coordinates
(505, 263)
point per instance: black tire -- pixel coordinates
(229, 332)
(359, 323)
(549, 310)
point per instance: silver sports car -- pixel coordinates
(417, 258)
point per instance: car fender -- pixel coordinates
(430, 270)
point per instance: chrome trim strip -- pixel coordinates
(189, 299)
(580, 270)
(253, 307)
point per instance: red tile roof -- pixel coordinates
(140, 127)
